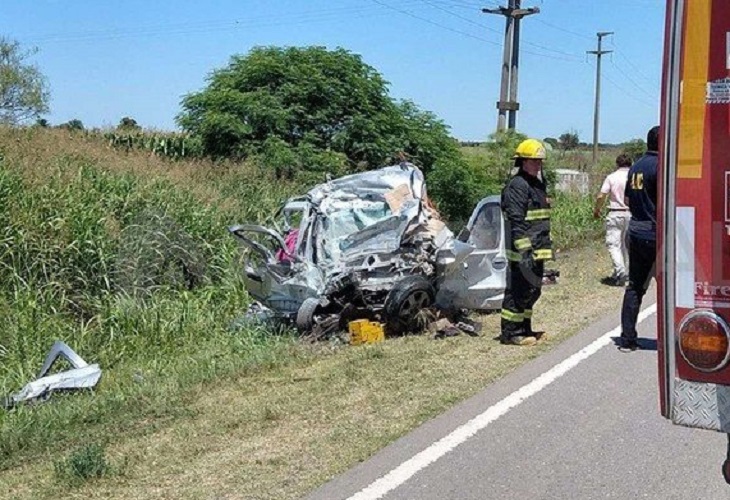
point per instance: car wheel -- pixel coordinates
(306, 313)
(405, 301)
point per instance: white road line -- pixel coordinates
(399, 475)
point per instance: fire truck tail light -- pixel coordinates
(704, 340)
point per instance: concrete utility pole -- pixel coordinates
(513, 13)
(596, 111)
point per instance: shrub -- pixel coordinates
(87, 462)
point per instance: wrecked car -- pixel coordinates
(371, 245)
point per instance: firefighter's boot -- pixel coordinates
(521, 340)
(540, 336)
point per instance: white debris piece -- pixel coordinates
(81, 376)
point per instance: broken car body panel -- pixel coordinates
(479, 281)
(373, 228)
(81, 376)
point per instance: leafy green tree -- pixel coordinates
(128, 124)
(24, 91)
(569, 140)
(456, 187)
(501, 148)
(74, 124)
(634, 148)
(314, 101)
(423, 137)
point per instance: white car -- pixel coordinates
(370, 245)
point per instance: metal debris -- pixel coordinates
(81, 376)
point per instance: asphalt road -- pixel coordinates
(594, 432)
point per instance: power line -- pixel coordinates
(206, 26)
(484, 26)
(476, 5)
(470, 21)
(625, 92)
(632, 81)
(579, 35)
(636, 69)
(454, 30)
(429, 21)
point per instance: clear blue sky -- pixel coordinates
(105, 60)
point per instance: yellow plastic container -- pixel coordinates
(363, 331)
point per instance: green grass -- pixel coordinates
(83, 464)
(127, 259)
(281, 428)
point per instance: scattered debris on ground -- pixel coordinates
(81, 376)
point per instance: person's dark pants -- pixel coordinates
(524, 286)
(642, 257)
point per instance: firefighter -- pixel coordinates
(526, 211)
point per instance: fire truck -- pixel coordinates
(693, 259)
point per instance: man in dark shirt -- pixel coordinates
(641, 197)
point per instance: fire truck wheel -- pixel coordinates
(306, 315)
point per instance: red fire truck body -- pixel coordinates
(693, 259)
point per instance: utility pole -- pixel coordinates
(597, 109)
(513, 13)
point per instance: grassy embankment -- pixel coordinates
(126, 258)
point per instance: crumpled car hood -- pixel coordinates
(377, 219)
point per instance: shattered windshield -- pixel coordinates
(343, 219)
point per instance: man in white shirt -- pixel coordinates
(617, 219)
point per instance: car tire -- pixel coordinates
(407, 298)
(306, 313)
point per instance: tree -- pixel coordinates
(569, 140)
(456, 187)
(634, 148)
(74, 124)
(128, 124)
(24, 91)
(297, 103)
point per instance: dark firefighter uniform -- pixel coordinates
(527, 216)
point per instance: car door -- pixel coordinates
(263, 264)
(478, 281)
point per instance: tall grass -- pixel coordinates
(126, 257)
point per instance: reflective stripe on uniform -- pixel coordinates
(528, 314)
(523, 244)
(514, 256)
(544, 254)
(539, 214)
(515, 317)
